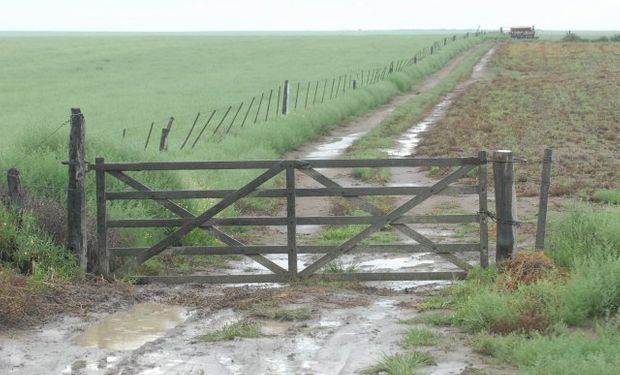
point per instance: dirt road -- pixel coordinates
(345, 330)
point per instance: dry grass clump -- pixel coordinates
(15, 297)
(526, 267)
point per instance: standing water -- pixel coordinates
(128, 330)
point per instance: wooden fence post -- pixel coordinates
(76, 193)
(505, 207)
(483, 209)
(544, 197)
(285, 95)
(16, 198)
(98, 258)
(163, 146)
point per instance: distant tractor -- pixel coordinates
(523, 32)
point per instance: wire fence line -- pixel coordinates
(296, 96)
(286, 98)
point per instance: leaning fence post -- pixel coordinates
(76, 193)
(285, 95)
(148, 137)
(503, 175)
(16, 198)
(99, 261)
(164, 135)
(544, 197)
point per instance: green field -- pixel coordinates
(128, 81)
(125, 82)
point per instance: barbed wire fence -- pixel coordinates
(284, 99)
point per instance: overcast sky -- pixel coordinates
(229, 15)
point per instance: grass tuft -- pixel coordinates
(415, 337)
(407, 363)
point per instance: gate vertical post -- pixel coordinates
(291, 221)
(505, 205)
(76, 190)
(483, 209)
(101, 264)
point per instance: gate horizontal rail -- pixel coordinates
(374, 220)
(264, 164)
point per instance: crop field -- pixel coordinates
(126, 82)
(562, 96)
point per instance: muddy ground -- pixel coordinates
(348, 328)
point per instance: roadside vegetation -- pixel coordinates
(544, 313)
(558, 95)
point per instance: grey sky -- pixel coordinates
(227, 15)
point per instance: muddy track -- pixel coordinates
(333, 145)
(346, 330)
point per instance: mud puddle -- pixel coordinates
(334, 147)
(407, 143)
(333, 341)
(128, 330)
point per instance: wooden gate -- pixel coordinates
(209, 220)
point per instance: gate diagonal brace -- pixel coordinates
(387, 219)
(182, 212)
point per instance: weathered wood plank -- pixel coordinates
(299, 192)
(233, 279)
(99, 262)
(263, 164)
(301, 249)
(503, 174)
(211, 279)
(76, 190)
(392, 276)
(291, 220)
(318, 220)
